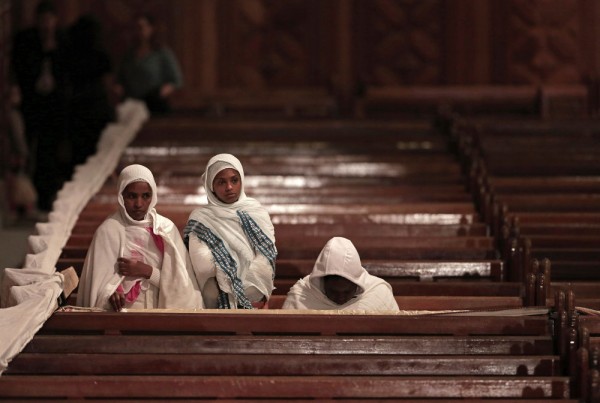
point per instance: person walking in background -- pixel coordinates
(89, 72)
(38, 69)
(149, 71)
(21, 196)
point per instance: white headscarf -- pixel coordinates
(223, 221)
(216, 208)
(217, 164)
(131, 174)
(340, 257)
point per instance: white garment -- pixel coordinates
(141, 246)
(29, 299)
(177, 286)
(253, 269)
(340, 257)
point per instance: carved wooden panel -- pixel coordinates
(400, 42)
(339, 46)
(543, 42)
(270, 43)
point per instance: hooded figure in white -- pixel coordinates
(339, 258)
(153, 240)
(231, 245)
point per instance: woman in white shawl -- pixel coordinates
(338, 281)
(231, 240)
(137, 258)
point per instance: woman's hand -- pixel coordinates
(133, 268)
(117, 300)
(262, 304)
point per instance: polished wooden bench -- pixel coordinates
(395, 163)
(398, 344)
(180, 217)
(358, 195)
(477, 101)
(437, 303)
(282, 387)
(413, 291)
(231, 355)
(457, 208)
(427, 249)
(546, 184)
(335, 229)
(304, 356)
(448, 285)
(419, 270)
(587, 292)
(299, 323)
(269, 364)
(313, 102)
(542, 202)
(246, 133)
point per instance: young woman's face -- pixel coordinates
(227, 185)
(339, 289)
(137, 197)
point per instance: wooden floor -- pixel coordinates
(406, 194)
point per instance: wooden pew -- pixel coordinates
(453, 209)
(577, 339)
(552, 192)
(296, 344)
(245, 323)
(438, 303)
(481, 357)
(415, 157)
(452, 250)
(546, 184)
(373, 246)
(180, 217)
(449, 285)
(282, 387)
(587, 292)
(384, 229)
(246, 134)
(307, 356)
(269, 364)
(420, 270)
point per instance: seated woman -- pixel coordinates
(137, 258)
(231, 240)
(338, 281)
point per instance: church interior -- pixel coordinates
(456, 143)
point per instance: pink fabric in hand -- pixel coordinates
(132, 295)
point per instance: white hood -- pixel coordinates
(340, 257)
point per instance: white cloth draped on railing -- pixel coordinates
(28, 296)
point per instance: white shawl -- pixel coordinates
(224, 222)
(100, 277)
(340, 257)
